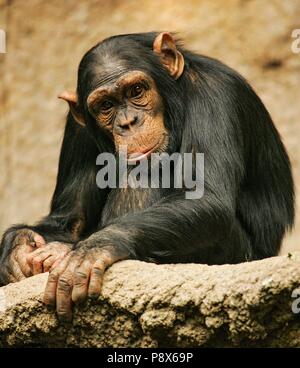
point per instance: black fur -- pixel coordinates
(249, 199)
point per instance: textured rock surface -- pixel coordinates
(46, 39)
(146, 305)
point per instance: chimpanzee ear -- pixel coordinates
(164, 45)
(71, 98)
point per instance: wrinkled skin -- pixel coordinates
(74, 274)
(16, 267)
(46, 258)
(31, 255)
(78, 276)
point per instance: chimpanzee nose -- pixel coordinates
(127, 125)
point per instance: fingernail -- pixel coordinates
(93, 296)
(65, 319)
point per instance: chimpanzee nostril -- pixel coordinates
(128, 123)
(134, 121)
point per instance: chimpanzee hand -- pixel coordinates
(47, 258)
(79, 275)
(13, 265)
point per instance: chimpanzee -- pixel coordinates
(148, 93)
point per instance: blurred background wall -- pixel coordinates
(46, 39)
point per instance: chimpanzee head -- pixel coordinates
(128, 87)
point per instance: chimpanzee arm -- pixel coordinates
(70, 215)
(207, 229)
(175, 229)
(75, 209)
(77, 202)
(179, 230)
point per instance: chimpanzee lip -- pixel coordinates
(138, 156)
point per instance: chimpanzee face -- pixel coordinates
(123, 99)
(130, 109)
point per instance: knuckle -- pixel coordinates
(98, 271)
(52, 249)
(48, 298)
(30, 258)
(106, 257)
(80, 275)
(64, 284)
(36, 261)
(47, 263)
(53, 277)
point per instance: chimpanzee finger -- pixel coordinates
(48, 263)
(50, 291)
(57, 260)
(96, 278)
(30, 256)
(39, 240)
(64, 293)
(19, 266)
(37, 262)
(81, 281)
(37, 266)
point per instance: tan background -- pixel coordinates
(46, 39)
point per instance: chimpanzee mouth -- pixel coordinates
(158, 147)
(138, 156)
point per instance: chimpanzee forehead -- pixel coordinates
(108, 73)
(108, 61)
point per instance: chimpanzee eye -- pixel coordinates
(106, 106)
(136, 90)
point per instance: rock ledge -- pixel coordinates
(148, 305)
